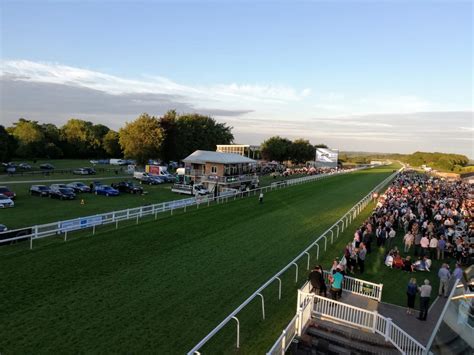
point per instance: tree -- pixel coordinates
(30, 138)
(301, 151)
(142, 138)
(53, 144)
(169, 126)
(81, 140)
(191, 132)
(111, 144)
(7, 145)
(276, 148)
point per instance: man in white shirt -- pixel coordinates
(425, 293)
(424, 243)
(433, 247)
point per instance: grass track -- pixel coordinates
(161, 286)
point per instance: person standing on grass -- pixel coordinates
(412, 290)
(441, 248)
(425, 244)
(417, 243)
(444, 276)
(391, 237)
(433, 248)
(361, 257)
(425, 294)
(408, 241)
(457, 273)
(260, 197)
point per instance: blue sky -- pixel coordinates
(296, 64)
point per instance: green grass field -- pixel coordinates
(161, 286)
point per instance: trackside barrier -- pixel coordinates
(353, 285)
(91, 222)
(355, 210)
(353, 316)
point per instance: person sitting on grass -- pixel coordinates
(407, 264)
(422, 264)
(397, 261)
(389, 260)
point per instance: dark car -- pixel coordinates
(168, 177)
(40, 190)
(3, 228)
(63, 194)
(79, 187)
(151, 180)
(128, 187)
(7, 192)
(46, 166)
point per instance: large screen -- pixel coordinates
(326, 157)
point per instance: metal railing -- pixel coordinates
(353, 285)
(352, 316)
(333, 231)
(296, 327)
(65, 228)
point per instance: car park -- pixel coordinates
(7, 192)
(40, 190)
(63, 194)
(79, 187)
(6, 201)
(84, 171)
(128, 187)
(46, 166)
(106, 190)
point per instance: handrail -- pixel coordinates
(365, 200)
(81, 223)
(359, 317)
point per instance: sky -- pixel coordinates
(381, 76)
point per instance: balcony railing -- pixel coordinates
(229, 179)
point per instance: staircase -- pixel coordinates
(323, 337)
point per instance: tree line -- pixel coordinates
(282, 149)
(170, 137)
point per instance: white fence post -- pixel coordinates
(238, 331)
(309, 256)
(279, 287)
(374, 326)
(263, 305)
(296, 277)
(388, 329)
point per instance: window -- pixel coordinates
(213, 169)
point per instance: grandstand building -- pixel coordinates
(221, 170)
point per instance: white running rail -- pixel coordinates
(63, 228)
(331, 232)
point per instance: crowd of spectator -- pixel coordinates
(432, 217)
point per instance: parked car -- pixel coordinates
(55, 187)
(167, 177)
(40, 190)
(3, 228)
(128, 187)
(6, 201)
(106, 190)
(24, 166)
(63, 194)
(84, 171)
(79, 187)
(151, 180)
(7, 192)
(46, 166)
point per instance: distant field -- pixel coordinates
(161, 286)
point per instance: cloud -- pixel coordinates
(51, 92)
(55, 73)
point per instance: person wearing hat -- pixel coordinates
(425, 293)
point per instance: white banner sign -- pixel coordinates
(328, 156)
